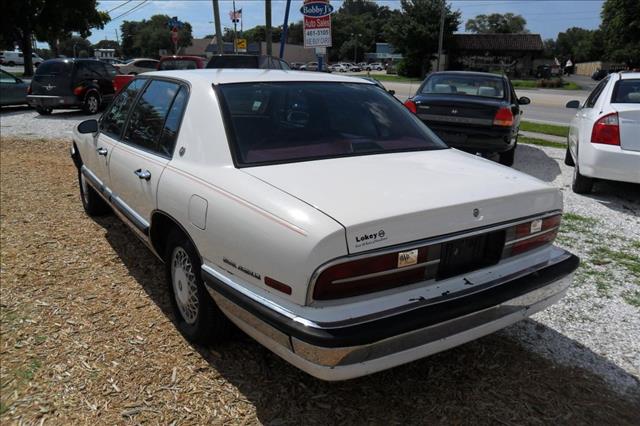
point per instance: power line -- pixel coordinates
(131, 10)
(119, 6)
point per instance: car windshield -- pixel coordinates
(626, 92)
(299, 121)
(178, 64)
(233, 62)
(471, 85)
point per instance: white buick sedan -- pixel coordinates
(320, 216)
(604, 137)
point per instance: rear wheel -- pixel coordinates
(197, 316)
(11, 64)
(581, 184)
(91, 103)
(508, 157)
(93, 204)
(44, 110)
(568, 159)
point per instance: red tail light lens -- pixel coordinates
(504, 117)
(606, 130)
(270, 282)
(530, 235)
(375, 273)
(411, 106)
(29, 90)
(78, 90)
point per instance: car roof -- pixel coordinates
(240, 75)
(629, 75)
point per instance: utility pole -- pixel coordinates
(216, 19)
(441, 36)
(267, 29)
(117, 38)
(235, 29)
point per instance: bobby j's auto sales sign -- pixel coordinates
(317, 23)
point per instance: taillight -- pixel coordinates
(606, 130)
(411, 106)
(29, 90)
(78, 91)
(277, 285)
(530, 235)
(504, 117)
(377, 273)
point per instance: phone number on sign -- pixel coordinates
(320, 37)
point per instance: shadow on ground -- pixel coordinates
(535, 162)
(492, 380)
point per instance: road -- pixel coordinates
(547, 105)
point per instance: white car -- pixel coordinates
(137, 66)
(604, 136)
(11, 58)
(338, 68)
(376, 66)
(320, 216)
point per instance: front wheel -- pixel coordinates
(91, 104)
(197, 316)
(44, 110)
(92, 203)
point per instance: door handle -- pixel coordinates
(143, 174)
(102, 151)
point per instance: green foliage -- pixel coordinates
(579, 45)
(258, 34)
(82, 45)
(414, 32)
(145, 38)
(621, 31)
(497, 23)
(48, 20)
(547, 129)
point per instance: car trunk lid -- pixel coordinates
(390, 199)
(629, 122)
(457, 109)
(52, 79)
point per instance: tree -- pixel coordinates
(497, 23)
(579, 45)
(74, 46)
(147, 37)
(109, 44)
(295, 35)
(47, 20)
(414, 33)
(620, 31)
(258, 33)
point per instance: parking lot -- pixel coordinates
(87, 332)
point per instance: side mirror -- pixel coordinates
(88, 126)
(573, 104)
(524, 101)
(391, 92)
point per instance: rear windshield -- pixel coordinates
(178, 64)
(471, 85)
(626, 92)
(233, 62)
(53, 68)
(299, 121)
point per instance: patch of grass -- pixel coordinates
(533, 84)
(540, 142)
(629, 261)
(29, 372)
(3, 408)
(632, 298)
(547, 129)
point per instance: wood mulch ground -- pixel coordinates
(87, 337)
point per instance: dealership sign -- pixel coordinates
(317, 23)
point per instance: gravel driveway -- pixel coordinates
(87, 334)
(26, 122)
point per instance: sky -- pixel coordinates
(545, 17)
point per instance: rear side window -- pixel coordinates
(299, 121)
(113, 120)
(172, 123)
(147, 119)
(595, 94)
(626, 92)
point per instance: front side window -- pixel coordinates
(148, 115)
(626, 92)
(113, 120)
(466, 85)
(300, 121)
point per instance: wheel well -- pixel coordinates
(77, 160)
(163, 225)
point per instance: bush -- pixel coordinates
(550, 82)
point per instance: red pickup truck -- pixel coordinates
(166, 63)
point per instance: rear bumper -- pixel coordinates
(474, 138)
(609, 162)
(47, 101)
(343, 351)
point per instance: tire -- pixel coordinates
(568, 159)
(196, 315)
(508, 157)
(581, 184)
(91, 103)
(11, 64)
(133, 73)
(44, 110)
(93, 204)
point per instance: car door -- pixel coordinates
(12, 90)
(581, 125)
(111, 126)
(147, 146)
